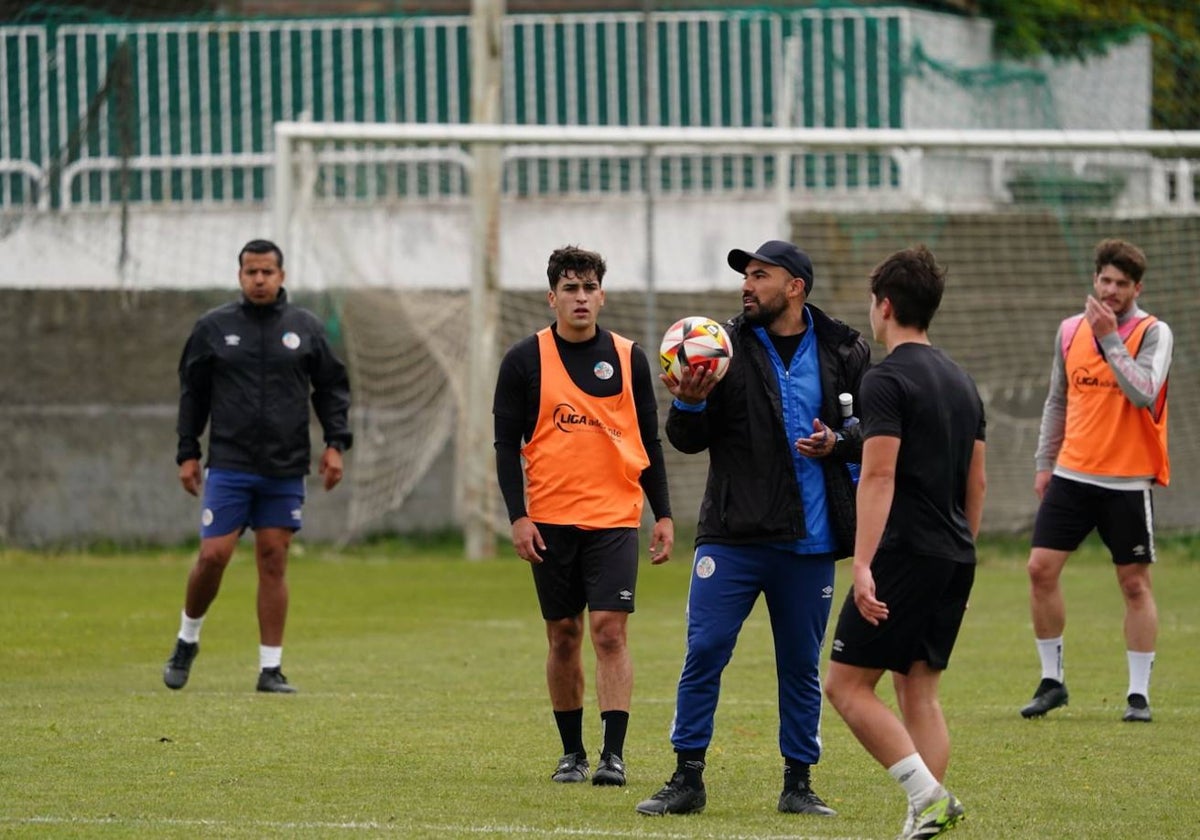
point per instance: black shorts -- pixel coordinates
(1071, 509)
(926, 599)
(597, 569)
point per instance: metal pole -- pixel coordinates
(475, 452)
(650, 339)
(697, 140)
(785, 109)
(281, 201)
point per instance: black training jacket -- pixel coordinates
(250, 370)
(752, 495)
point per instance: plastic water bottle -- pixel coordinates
(846, 404)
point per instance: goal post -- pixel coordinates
(380, 215)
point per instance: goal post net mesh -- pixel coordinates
(384, 227)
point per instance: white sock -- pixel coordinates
(915, 778)
(1050, 651)
(189, 628)
(1140, 665)
(269, 657)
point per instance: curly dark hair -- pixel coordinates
(574, 260)
(1123, 255)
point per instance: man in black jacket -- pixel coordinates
(251, 367)
(778, 510)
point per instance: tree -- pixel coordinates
(1074, 29)
(72, 11)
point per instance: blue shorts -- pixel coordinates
(234, 501)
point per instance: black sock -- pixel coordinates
(615, 724)
(691, 764)
(795, 774)
(570, 729)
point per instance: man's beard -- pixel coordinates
(766, 314)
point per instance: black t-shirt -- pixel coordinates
(786, 346)
(920, 395)
(518, 393)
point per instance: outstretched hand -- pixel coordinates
(694, 385)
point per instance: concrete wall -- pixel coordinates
(87, 418)
(422, 244)
(88, 394)
(88, 384)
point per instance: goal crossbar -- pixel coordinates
(810, 139)
(370, 199)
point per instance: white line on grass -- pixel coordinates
(313, 694)
(438, 828)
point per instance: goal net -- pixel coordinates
(381, 218)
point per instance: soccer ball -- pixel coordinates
(695, 342)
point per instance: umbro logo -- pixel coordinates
(625, 595)
(233, 340)
(827, 592)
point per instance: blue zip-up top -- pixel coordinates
(800, 395)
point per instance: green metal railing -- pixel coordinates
(106, 113)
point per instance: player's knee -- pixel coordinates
(272, 559)
(1042, 573)
(711, 644)
(213, 557)
(564, 636)
(609, 640)
(1135, 588)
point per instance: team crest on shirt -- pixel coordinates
(603, 370)
(290, 340)
(705, 567)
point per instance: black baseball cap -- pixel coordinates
(776, 252)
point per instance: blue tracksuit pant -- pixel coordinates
(726, 581)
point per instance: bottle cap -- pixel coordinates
(846, 399)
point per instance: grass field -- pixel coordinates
(423, 709)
